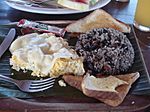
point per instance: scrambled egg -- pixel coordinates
(45, 55)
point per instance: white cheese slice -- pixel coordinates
(108, 84)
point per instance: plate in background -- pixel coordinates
(45, 10)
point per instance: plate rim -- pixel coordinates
(78, 106)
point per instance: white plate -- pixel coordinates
(32, 9)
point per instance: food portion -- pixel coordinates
(102, 49)
(123, 90)
(106, 84)
(110, 90)
(45, 55)
(81, 5)
(97, 19)
(105, 51)
(67, 66)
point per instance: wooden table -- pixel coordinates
(122, 11)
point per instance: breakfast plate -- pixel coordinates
(116, 51)
(49, 10)
(68, 97)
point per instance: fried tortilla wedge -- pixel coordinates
(112, 98)
(97, 19)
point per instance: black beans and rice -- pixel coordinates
(105, 51)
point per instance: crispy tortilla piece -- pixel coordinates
(109, 98)
(97, 19)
